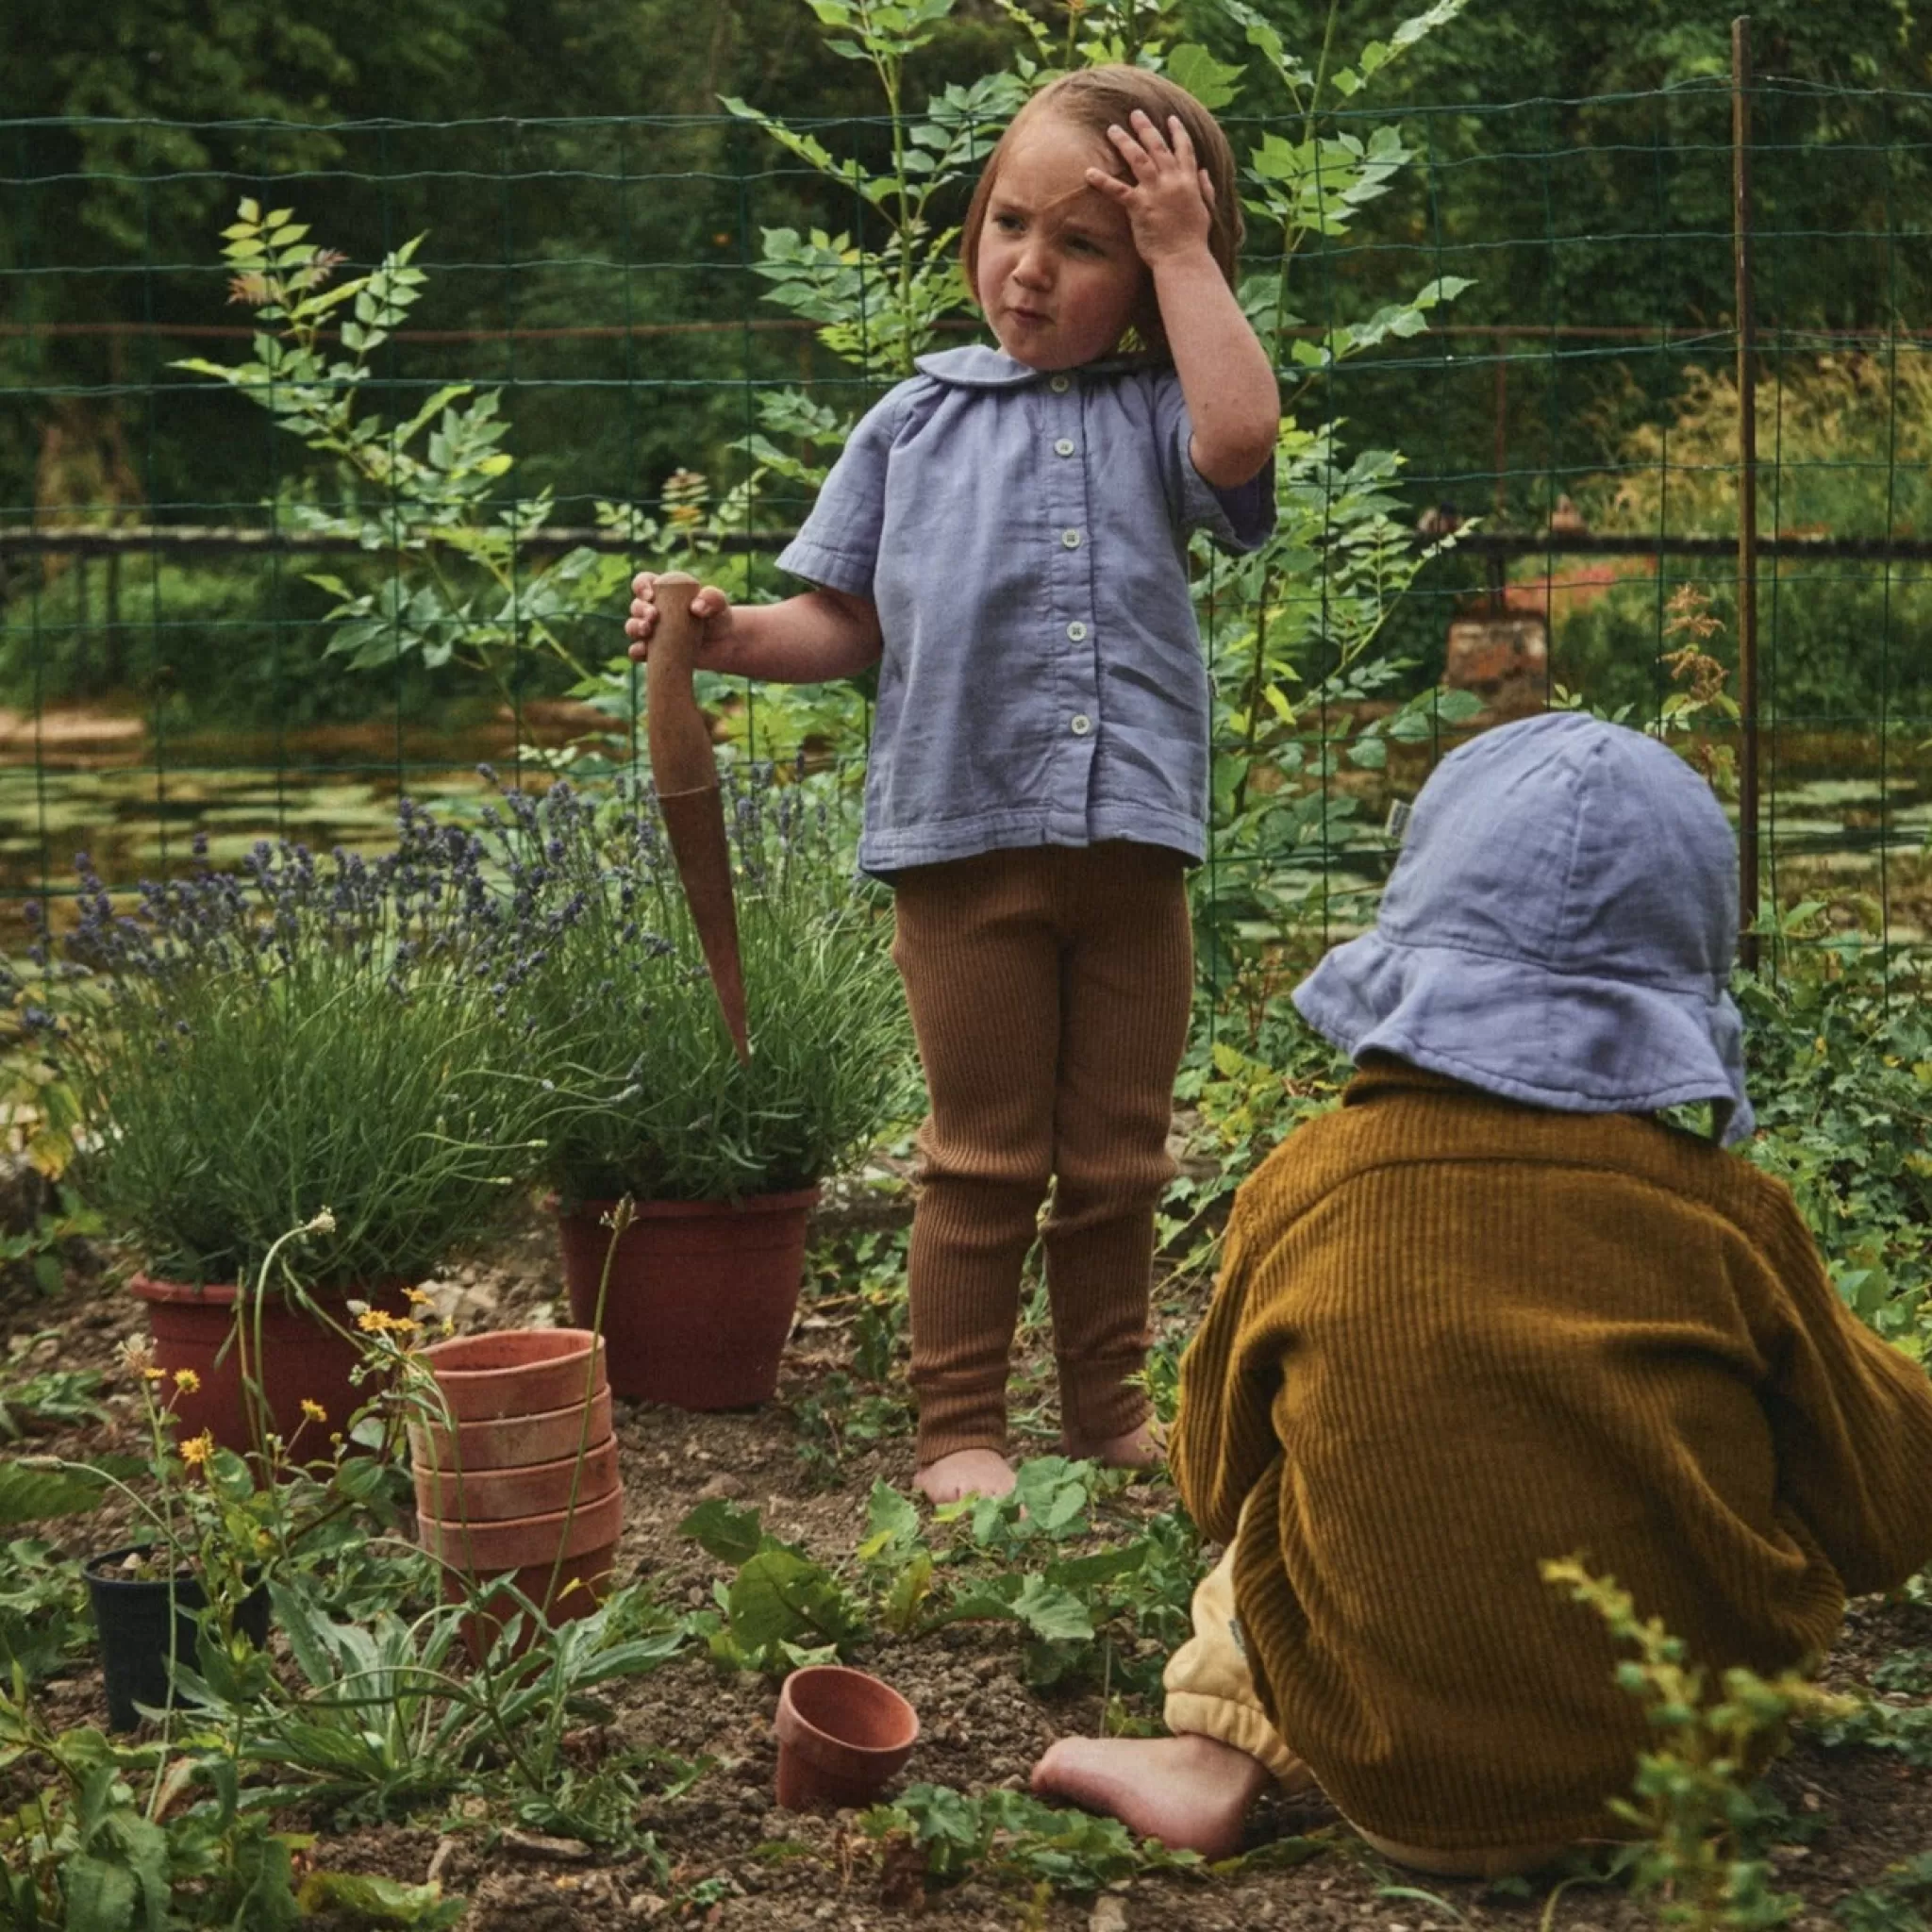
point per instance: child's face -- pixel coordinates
(1059, 278)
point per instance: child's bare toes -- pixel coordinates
(965, 1473)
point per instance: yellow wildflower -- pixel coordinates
(374, 1321)
(153, 1374)
(197, 1449)
(421, 1296)
(314, 1410)
(187, 1381)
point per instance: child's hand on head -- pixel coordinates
(708, 603)
(1167, 203)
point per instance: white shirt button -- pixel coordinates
(1077, 630)
(1060, 385)
(1071, 538)
(1080, 725)
(1064, 447)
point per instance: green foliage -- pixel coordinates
(1241, 1100)
(1838, 1059)
(833, 1420)
(1108, 1614)
(34, 1489)
(1844, 443)
(1011, 1836)
(644, 1093)
(429, 490)
(383, 1716)
(782, 1609)
(261, 1046)
(1898, 1718)
(189, 642)
(43, 1613)
(1893, 1905)
(1700, 1823)
(87, 1854)
(48, 1398)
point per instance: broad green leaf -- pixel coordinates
(100, 1896)
(374, 1901)
(781, 1597)
(730, 1533)
(30, 1492)
(891, 1520)
(910, 1590)
(1211, 82)
(1051, 1612)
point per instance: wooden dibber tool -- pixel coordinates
(686, 775)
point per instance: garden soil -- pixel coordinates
(1852, 1812)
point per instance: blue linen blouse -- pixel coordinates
(1023, 537)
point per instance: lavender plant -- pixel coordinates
(591, 955)
(252, 1047)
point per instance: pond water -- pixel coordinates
(1839, 819)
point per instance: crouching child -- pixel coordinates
(1494, 1310)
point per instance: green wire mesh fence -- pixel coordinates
(174, 566)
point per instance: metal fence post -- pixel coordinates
(1747, 496)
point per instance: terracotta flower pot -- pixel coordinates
(302, 1358)
(562, 1561)
(516, 1372)
(509, 1441)
(701, 1294)
(843, 1737)
(450, 1493)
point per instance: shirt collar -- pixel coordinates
(979, 367)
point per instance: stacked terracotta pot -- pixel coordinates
(521, 1486)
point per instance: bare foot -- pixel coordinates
(965, 1473)
(1142, 1448)
(1190, 1793)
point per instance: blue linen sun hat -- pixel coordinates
(1559, 930)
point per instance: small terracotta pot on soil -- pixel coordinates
(132, 1615)
(525, 1551)
(302, 1357)
(843, 1735)
(516, 1372)
(701, 1294)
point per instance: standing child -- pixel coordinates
(1492, 1311)
(1006, 536)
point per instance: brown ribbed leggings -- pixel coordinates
(1050, 989)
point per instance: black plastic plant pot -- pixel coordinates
(131, 1614)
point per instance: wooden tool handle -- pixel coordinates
(681, 757)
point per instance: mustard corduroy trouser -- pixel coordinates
(1050, 989)
(1211, 1693)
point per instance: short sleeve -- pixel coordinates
(1240, 519)
(837, 546)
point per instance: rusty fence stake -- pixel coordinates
(1747, 496)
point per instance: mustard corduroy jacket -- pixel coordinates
(1455, 1336)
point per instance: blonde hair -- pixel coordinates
(1095, 99)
